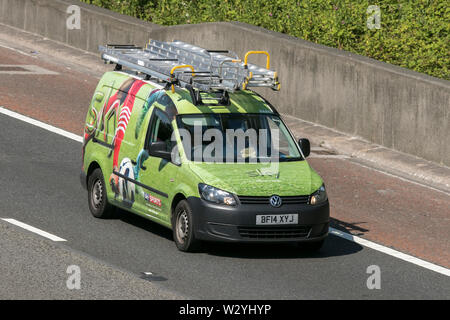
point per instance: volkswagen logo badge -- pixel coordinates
(275, 201)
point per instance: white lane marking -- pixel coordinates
(34, 230)
(40, 124)
(391, 252)
(347, 236)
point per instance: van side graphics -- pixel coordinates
(108, 119)
(124, 117)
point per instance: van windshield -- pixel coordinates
(230, 137)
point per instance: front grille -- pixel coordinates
(274, 232)
(265, 200)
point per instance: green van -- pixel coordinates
(187, 160)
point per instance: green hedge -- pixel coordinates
(414, 34)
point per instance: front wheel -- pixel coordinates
(97, 199)
(183, 228)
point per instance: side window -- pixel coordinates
(161, 129)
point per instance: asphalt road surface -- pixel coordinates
(40, 187)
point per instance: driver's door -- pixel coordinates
(159, 175)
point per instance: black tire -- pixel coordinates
(97, 199)
(182, 226)
(311, 247)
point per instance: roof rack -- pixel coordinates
(181, 64)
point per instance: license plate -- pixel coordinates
(269, 219)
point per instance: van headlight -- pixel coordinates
(215, 195)
(318, 197)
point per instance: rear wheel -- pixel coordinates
(183, 228)
(97, 199)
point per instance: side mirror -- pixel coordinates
(159, 149)
(305, 146)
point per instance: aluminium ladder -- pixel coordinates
(189, 66)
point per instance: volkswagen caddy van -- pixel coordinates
(144, 151)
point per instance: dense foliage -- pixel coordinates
(413, 33)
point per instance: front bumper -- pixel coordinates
(223, 223)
